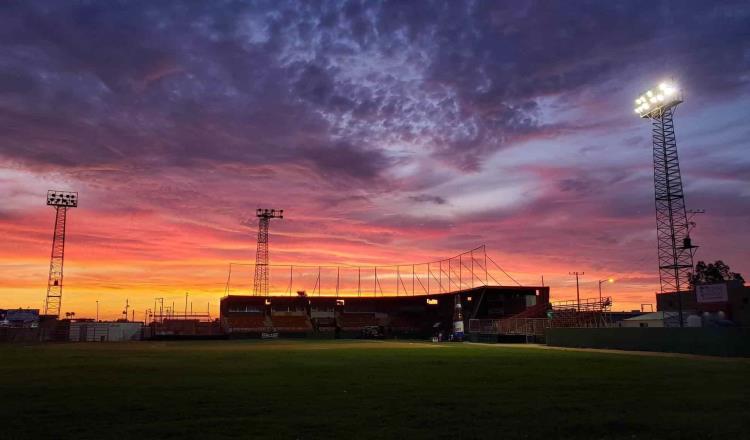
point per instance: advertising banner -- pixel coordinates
(711, 293)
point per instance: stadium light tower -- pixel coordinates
(61, 201)
(675, 249)
(260, 282)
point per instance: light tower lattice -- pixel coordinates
(61, 201)
(674, 247)
(260, 282)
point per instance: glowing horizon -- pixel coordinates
(389, 132)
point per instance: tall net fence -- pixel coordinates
(473, 268)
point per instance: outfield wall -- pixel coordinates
(705, 341)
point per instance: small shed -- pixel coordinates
(653, 319)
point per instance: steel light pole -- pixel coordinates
(260, 280)
(61, 201)
(674, 247)
(608, 280)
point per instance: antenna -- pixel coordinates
(260, 282)
(61, 201)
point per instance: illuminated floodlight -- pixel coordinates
(67, 199)
(656, 100)
(269, 213)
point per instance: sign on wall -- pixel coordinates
(711, 293)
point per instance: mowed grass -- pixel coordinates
(384, 390)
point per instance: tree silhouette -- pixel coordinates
(717, 272)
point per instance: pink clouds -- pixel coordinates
(412, 136)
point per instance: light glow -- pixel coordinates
(663, 96)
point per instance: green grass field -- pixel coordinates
(336, 389)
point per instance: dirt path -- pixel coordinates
(612, 351)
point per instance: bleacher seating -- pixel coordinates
(253, 323)
(535, 311)
(356, 321)
(291, 323)
(531, 321)
(406, 323)
(325, 324)
(574, 318)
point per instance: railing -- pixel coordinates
(584, 305)
(509, 326)
(573, 313)
(470, 269)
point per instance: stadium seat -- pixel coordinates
(356, 321)
(291, 323)
(256, 323)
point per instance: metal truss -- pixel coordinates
(260, 280)
(675, 249)
(55, 282)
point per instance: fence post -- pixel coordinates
(472, 268)
(429, 275)
(398, 277)
(486, 277)
(450, 273)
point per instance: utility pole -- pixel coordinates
(161, 308)
(97, 310)
(578, 291)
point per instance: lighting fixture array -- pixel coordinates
(662, 96)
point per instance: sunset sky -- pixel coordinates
(389, 132)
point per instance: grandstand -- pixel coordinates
(532, 322)
(421, 316)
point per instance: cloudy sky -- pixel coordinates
(390, 132)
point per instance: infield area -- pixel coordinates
(363, 389)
